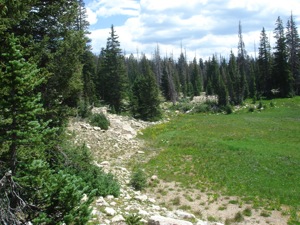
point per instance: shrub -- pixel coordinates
(228, 109)
(83, 110)
(251, 109)
(55, 195)
(201, 108)
(133, 219)
(99, 120)
(238, 217)
(138, 179)
(247, 212)
(80, 163)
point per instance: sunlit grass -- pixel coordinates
(254, 154)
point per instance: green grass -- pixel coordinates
(253, 154)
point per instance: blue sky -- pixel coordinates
(204, 27)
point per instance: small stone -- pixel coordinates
(85, 126)
(154, 177)
(184, 215)
(143, 212)
(140, 152)
(104, 163)
(101, 202)
(160, 220)
(109, 211)
(141, 198)
(118, 218)
(152, 200)
(110, 197)
(84, 198)
(97, 128)
(200, 222)
(156, 207)
(113, 203)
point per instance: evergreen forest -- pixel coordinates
(49, 73)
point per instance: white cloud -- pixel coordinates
(91, 16)
(203, 27)
(106, 8)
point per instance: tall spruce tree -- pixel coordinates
(20, 104)
(293, 49)
(114, 78)
(182, 74)
(157, 63)
(145, 94)
(235, 81)
(196, 78)
(264, 84)
(281, 74)
(242, 64)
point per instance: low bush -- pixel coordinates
(99, 120)
(133, 219)
(138, 179)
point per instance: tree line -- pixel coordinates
(49, 73)
(136, 84)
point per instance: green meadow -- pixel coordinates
(254, 155)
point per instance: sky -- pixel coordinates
(199, 28)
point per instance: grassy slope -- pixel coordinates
(246, 154)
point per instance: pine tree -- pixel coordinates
(54, 33)
(21, 129)
(157, 65)
(20, 104)
(281, 75)
(195, 78)
(264, 84)
(242, 65)
(114, 78)
(145, 95)
(132, 69)
(234, 79)
(293, 49)
(182, 74)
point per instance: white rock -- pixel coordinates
(95, 212)
(110, 197)
(143, 212)
(152, 200)
(118, 218)
(154, 177)
(156, 207)
(101, 202)
(184, 215)
(110, 211)
(84, 198)
(85, 126)
(113, 203)
(160, 220)
(127, 128)
(97, 128)
(104, 163)
(141, 198)
(140, 152)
